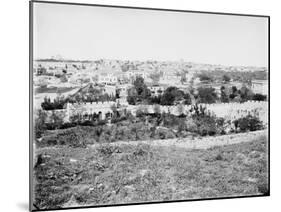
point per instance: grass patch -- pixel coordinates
(110, 174)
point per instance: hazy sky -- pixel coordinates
(83, 32)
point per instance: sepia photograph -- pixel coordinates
(140, 105)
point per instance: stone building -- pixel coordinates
(260, 86)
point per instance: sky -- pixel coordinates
(85, 32)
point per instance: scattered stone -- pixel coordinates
(144, 172)
(72, 202)
(72, 160)
(252, 180)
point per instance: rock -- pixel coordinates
(72, 202)
(100, 186)
(128, 190)
(254, 154)
(72, 160)
(144, 172)
(252, 180)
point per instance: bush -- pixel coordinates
(139, 131)
(191, 125)
(72, 137)
(259, 97)
(205, 123)
(170, 120)
(221, 126)
(39, 124)
(207, 95)
(162, 133)
(248, 123)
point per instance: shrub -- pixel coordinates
(39, 124)
(142, 150)
(205, 124)
(207, 95)
(248, 123)
(162, 133)
(108, 135)
(190, 125)
(73, 137)
(170, 120)
(221, 126)
(259, 97)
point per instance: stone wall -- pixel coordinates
(229, 111)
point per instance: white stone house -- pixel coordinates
(106, 78)
(260, 86)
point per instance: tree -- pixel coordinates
(39, 125)
(125, 67)
(234, 92)
(132, 96)
(139, 92)
(141, 88)
(259, 97)
(245, 94)
(172, 95)
(205, 78)
(56, 120)
(225, 78)
(114, 110)
(207, 95)
(224, 96)
(187, 99)
(183, 77)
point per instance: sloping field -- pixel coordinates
(199, 142)
(130, 173)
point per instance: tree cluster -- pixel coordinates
(141, 94)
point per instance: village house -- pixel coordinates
(133, 74)
(260, 86)
(156, 90)
(107, 78)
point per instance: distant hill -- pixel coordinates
(62, 60)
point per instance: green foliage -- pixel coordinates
(57, 104)
(141, 89)
(206, 125)
(248, 123)
(56, 120)
(207, 95)
(245, 94)
(139, 92)
(225, 78)
(39, 123)
(162, 133)
(72, 137)
(224, 96)
(107, 174)
(172, 95)
(259, 97)
(203, 123)
(204, 77)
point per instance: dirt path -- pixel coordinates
(198, 143)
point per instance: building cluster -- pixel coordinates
(116, 77)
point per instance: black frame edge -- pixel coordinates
(31, 2)
(147, 8)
